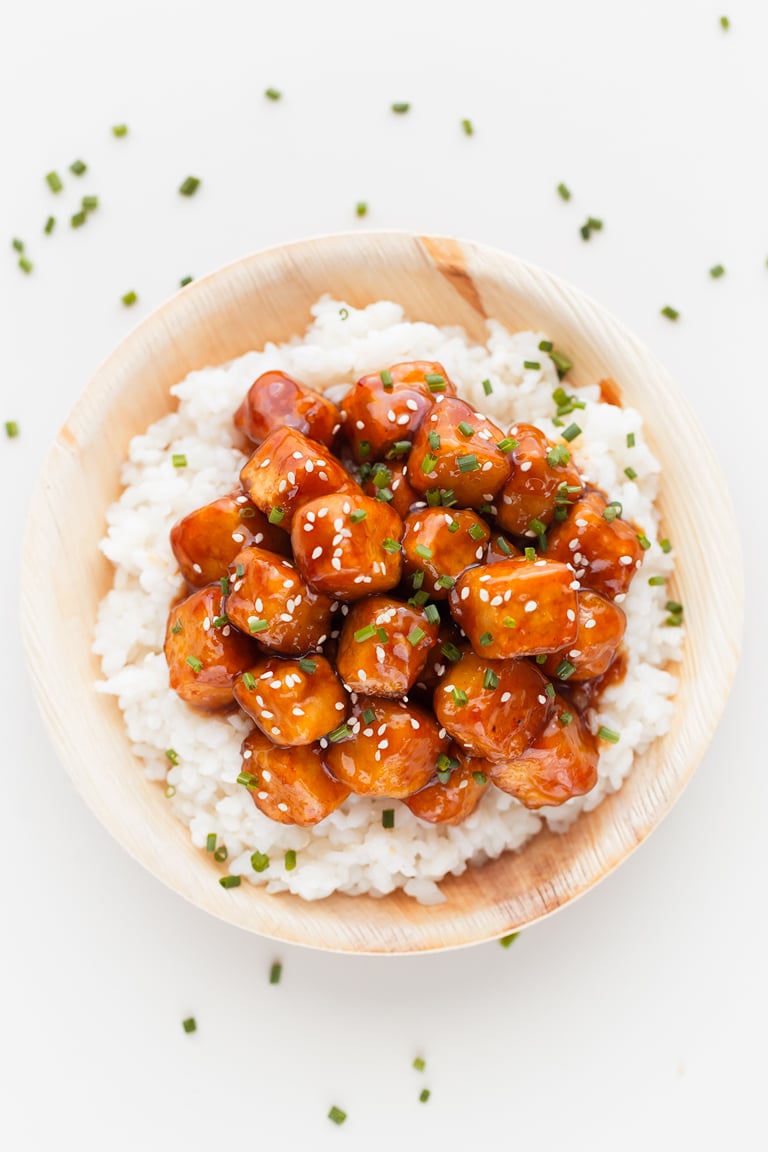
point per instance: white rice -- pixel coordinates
(350, 851)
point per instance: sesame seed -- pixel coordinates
(581, 523)
(359, 424)
(197, 568)
(339, 706)
(323, 476)
(496, 601)
(282, 486)
(276, 684)
(262, 795)
(487, 466)
(412, 405)
(309, 466)
(574, 653)
(258, 538)
(484, 595)
(266, 463)
(620, 597)
(266, 775)
(311, 517)
(282, 805)
(297, 711)
(541, 699)
(571, 614)
(531, 606)
(286, 617)
(505, 696)
(403, 419)
(575, 585)
(479, 553)
(267, 715)
(291, 477)
(391, 415)
(336, 563)
(526, 466)
(484, 579)
(464, 594)
(590, 623)
(247, 754)
(625, 560)
(463, 784)
(362, 675)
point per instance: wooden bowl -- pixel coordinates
(267, 296)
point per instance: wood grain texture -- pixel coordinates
(267, 296)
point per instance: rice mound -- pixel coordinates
(350, 851)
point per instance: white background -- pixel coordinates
(635, 1018)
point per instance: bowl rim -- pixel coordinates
(99, 384)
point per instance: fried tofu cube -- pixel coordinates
(290, 785)
(605, 550)
(517, 607)
(559, 764)
(386, 748)
(493, 709)
(346, 546)
(383, 646)
(441, 543)
(455, 792)
(455, 449)
(287, 471)
(384, 409)
(270, 601)
(207, 540)
(542, 480)
(293, 702)
(601, 629)
(277, 401)
(203, 651)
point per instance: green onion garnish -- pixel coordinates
(249, 680)
(119, 130)
(417, 579)
(386, 378)
(172, 756)
(78, 168)
(466, 429)
(90, 203)
(459, 697)
(340, 733)
(468, 463)
(176, 628)
(195, 664)
(256, 625)
(361, 208)
(487, 387)
(508, 444)
(129, 299)
(54, 182)
(415, 636)
(541, 658)
(643, 541)
(221, 853)
(505, 941)
(388, 818)
(358, 515)
(368, 716)
(428, 463)
(434, 440)
(248, 780)
(630, 439)
(476, 531)
(12, 431)
(565, 670)
(400, 109)
(545, 345)
(563, 191)
(490, 679)
(276, 515)
(425, 1093)
(246, 513)
(50, 224)
(308, 666)
(224, 585)
(185, 280)
(399, 448)
(725, 23)
(533, 365)
(445, 581)
(558, 455)
(259, 861)
(550, 691)
(189, 186)
(451, 652)
(77, 220)
(273, 93)
(390, 545)
(565, 718)
(537, 527)
(423, 551)
(290, 860)
(510, 622)
(435, 381)
(240, 570)
(366, 633)
(190, 1024)
(670, 312)
(657, 581)
(571, 432)
(210, 842)
(433, 497)
(608, 734)
(230, 881)
(630, 473)
(454, 526)
(612, 510)
(275, 973)
(220, 621)
(717, 271)
(674, 607)
(561, 362)
(468, 127)
(419, 1064)
(344, 315)
(502, 545)
(486, 639)
(431, 613)
(179, 460)
(363, 447)
(665, 545)
(337, 1115)
(381, 476)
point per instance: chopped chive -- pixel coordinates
(429, 463)
(78, 168)
(425, 1093)
(536, 527)
(417, 579)
(50, 224)
(445, 581)
(17, 244)
(468, 127)
(221, 853)
(290, 860)
(179, 460)
(674, 621)
(399, 448)
(415, 636)
(390, 545)
(561, 362)
(451, 652)
(195, 664)
(276, 970)
(344, 315)
(210, 842)
(674, 607)
(490, 679)
(431, 614)
(725, 23)
(717, 271)
(256, 625)
(565, 670)
(276, 515)
(358, 515)
(170, 791)
(26, 265)
(189, 186)
(368, 716)
(502, 545)
(468, 463)
(571, 432)
(259, 861)
(381, 476)
(230, 881)
(545, 345)
(530, 553)
(433, 497)
(77, 220)
(190, 1024)
(486, 639)
(466, 429)
(630, 473)
(54, 182)
(172, 756)
(487, 387)
(532, 365)
(550, 691)
(388, 818)
(185, 280)
(119, 130)
(459, 697)
(366, 633)
(220, 621)
(249, 680)
(643, 541)
(435, 382)
(506, 941)
(479, 777)
(90, 203)
(541, 658)
(382, 635)
(340, 733)
(246, 513)
(510, 622)
(224, 585)
(565, 718)
(361, 208)
(176, 628)
(419, 1064)
(657, 581)
(386, 378)
(308, 666)
(476, 531)
(454, 526)
(564, 193)
(337, 1115)
(129, 299)
(434, 441)
(273, 93)
(508, 444)
(608, 734)
(670, 312)
(248, 780)
(423, 551)
(630, 439)
(400, 109)
(419, 599)
(665, 545)
(612, 510)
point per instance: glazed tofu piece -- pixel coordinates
(605, 550)
(389, 483)
(601, 629)
(453, 794)
(290, 785)
(493, 709)
(387, 748)
(517, 607)
(293, 702)
(207, 540)
(276, 401)
(382, 411)
(441, 543)
(542, 480)
(270, 601)
(287, 471)
(500, 548)
(203, 651)
(559, 764)
(455, 449)
(383, 646)
(348, 546)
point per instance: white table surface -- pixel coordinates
(635, 1018)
